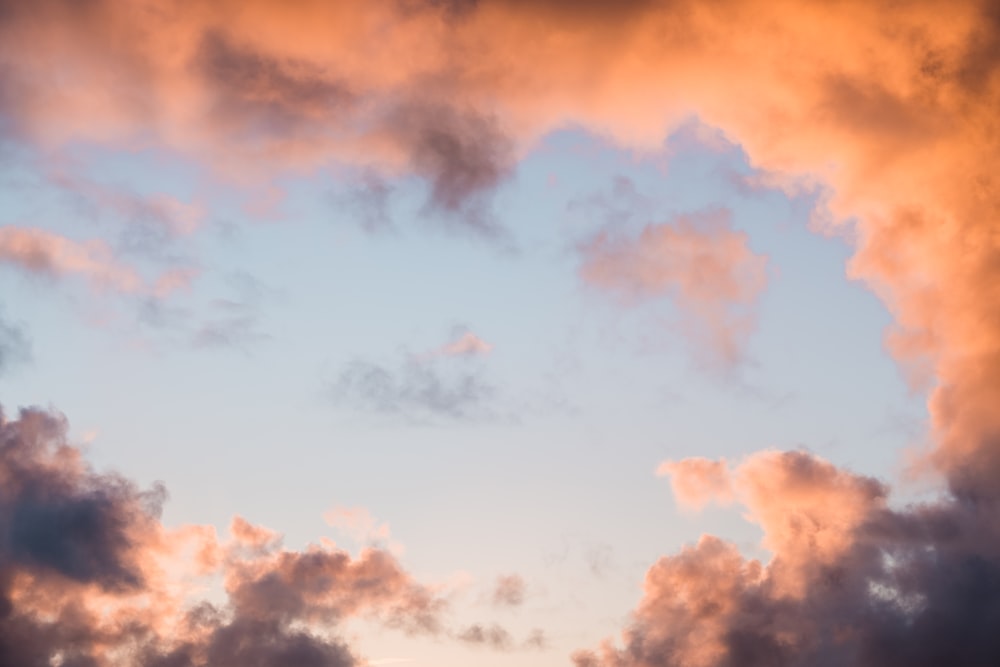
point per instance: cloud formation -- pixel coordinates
(699, 262)
(851, 580)
(88, 574)
(418, 388)
(52, 256)
(889, 107)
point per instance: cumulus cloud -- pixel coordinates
(88, 574)
(891, 108)
(850, 581)
(700, 262)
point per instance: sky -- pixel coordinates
(601, 334)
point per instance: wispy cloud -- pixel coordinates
(698, 262)
(49, 255)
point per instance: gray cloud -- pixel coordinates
(433, 387)
(14, 345)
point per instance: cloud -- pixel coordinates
(498, 638)
(699, 262)
(88, 574)
(46, 254)
(468, 344)
(463, 155)
(509, 591)
(415, 389)
(14, 345)
(696, 482)
(362, 527)
(896, 127)
(850, 580)
(891, 113)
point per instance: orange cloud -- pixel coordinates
(895, 116)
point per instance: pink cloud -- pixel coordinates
(700, 262)
(43, 253)
(468, 344)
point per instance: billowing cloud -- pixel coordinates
(850, 581)
(699, 262)
(89, 575)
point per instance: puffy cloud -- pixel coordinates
(890, 107)
(89, 575)
(850, 580)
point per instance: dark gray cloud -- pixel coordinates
(256, 93)
(463, 155)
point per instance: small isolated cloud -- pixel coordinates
(492, 636)
(46, 254)
(699, 262)
(467, 344)
(433, 385)
(509, 591)
(697, 481)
